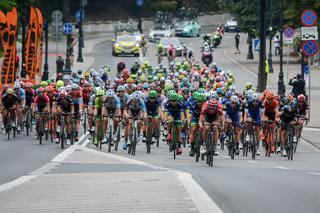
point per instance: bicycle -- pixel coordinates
(197, 144)
(210, 145)
(85, 118)
(268, 142)
(28, 119)
(41, 125)
(97, 137)
(118, 136)
(172, 138)
(299, 130)
(10, 125)
(62, 133)
(251, 144)
(149, 134)
(232, 143)
(109, 131)
(291, 130)
(133, 137)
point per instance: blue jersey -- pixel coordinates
(112, 103)
(233, 112)
(152, 107)
(136, 105)
(174, 110)
(254, 110)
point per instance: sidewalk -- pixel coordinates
(85, 180)
(272, 81)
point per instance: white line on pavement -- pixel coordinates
(251, 161)
(282, 167)
(314, 173)
(200, 198)
(16, 182)
(313, 147)
(224, 156)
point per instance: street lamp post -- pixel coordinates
(270, 37)
(80, 43)
(250, 52)
(262, 77)
(281, 87)
(45, 75)
(67, 69)
(23, 40)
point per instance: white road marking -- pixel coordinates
(282, 167)
(251, 161)
(16, 182)
(311, 129)
(314, 173)
(200, 198)
(316, 149)
(224, 156)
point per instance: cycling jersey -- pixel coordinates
(254, 110)
(211, 115)
(152, 108)
(29, 97)
(76, 99)
(302, 108)
(232, 111)
(8, 101)
(41, 102)
(65, 104)
(195, 111)
(270, 109)
(174, 110)
(112, 104)
(123, 100)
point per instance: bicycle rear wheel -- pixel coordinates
(62, 136)
(134, 141)
(110, 138)
(232, 145)
(149, 138)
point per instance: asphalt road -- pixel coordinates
(242, 185)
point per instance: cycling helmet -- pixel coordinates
(63, 94)
(16, 85)
(294, 103)
(129, 80)
(49, 89)
(100, 92)
(153, 94)
(301, 97)
(28, 85)
(40, 90)
(234, 99)
(201, 97)
(248, 85)
(232, 87)
(66, 77)
(174, 96)
(155, 78)
(285, 100)
(95, 74)
(75, 86)
(120, 88)
(229, 93)
(136, 95)
(60, 83)
(185, 91)
(180, 98)
(10, 91)
(86, 74)
(110, 93)
(219, 90)
(255, 97)
(146, 86)
(69, 88)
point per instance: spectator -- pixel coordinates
(276, 42)
(171, 53)
(60, 64)
(237, 39)
(298, 85)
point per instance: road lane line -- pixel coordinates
(251, 161)
(314, 173)
(200, 198)
(282, 167)
(16, 182)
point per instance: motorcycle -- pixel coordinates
(216, 40)
(207, 57)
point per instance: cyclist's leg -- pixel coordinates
(5, 116)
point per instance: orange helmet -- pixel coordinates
(290, 97)
(301, 97)
(270, 95)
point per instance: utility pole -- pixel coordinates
(23, 40)
(250, 51)
(281, 87)
(262, 77)
(270, 36)
(45, 75)
(80, 41)
(66, 10)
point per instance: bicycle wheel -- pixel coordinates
(100, 137)
(84, 123)
(158, 135)
(245, 144)
(232, 144)
(62, 136)
(149, 137)
(290, 146)
(134, 141)
(174, 142)
(253, 145)
(197, 146)
(27, 124)
(40, 131)
(221, 142)
(110, 137)
(210, 150)
(8, 129)
(118, 138)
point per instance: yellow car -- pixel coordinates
(125, 44)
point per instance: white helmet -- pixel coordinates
(234, 98)
(110, 93)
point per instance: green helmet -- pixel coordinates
(174, 96)
(100, 92)
(153, 94)
(180, 98)
(204, 80)
(201, 97)
(195, 94)
(44, 83)
(60, 83)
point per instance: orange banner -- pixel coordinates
(31, 45)
(39, 45)
(8, 36)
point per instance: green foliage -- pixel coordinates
(6, 5)
(163, 5)
(294, 8)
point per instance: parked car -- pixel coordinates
(157, 33)
(125, 44)
(167, 41)
(231, 25)
(188, 28)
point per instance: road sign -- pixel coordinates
(309, 33)
(78, 15)
(309, 18)
(288, 32)
(256, 45)
(310, 48)
(139, 2)
(56, 15)
(68, 28)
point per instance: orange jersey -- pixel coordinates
(271, 107)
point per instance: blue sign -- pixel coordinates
(68, 28)
(306, 69)
(256, 45)
(288, 32)
(309, 18)
(139, 2)
(310, 48)
(78, 15)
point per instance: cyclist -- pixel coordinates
(130, 86)
(153, 103)
(76, 96)
(98, 105)
(303, 110)
(270, 112)
(22, 99)
(233, 108)
(9, 101)
(29, 92)
(111, 108)
(160, 53)
(41, 104)
(194, 117)
(135, 109)
(64, 104)
(174, 113)
(253, 114)
(211, 113)
(171, 53)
